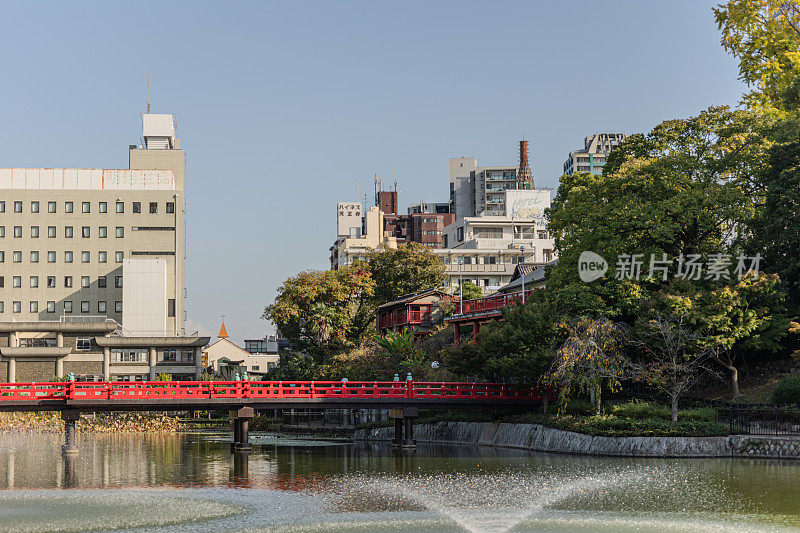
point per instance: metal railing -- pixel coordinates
(761, 419)
(262, 390)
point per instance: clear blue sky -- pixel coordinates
(285, 108)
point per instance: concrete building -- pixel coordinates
(226, 352)
(475, 190)
(346, 250)
(102, 249)
(592, 156)
(486, 249)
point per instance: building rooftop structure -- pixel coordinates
(592, 157)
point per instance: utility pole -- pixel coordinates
(522, 270)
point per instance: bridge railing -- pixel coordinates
(255, 390)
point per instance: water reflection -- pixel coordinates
(355, 480)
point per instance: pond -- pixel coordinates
(192, 482)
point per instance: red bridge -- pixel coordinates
(242, 398)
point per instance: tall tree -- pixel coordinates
(323, 309)
(410, 268)
(764, 35)
(737, 321)
(673, 357)
(685, 188)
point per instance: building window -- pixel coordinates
(51, 257)
(34, 307)
(101, 282)
(35, 232)
(68, 207)
(2, 281)
(84, 306)
(170, 207)
(120, 232)
(120, 207)
(153, 208)
(101, 306)
(16, 307)
(542, 234)
(254, 367)
(51, 307)
(103, 231)
(18, 207)
(83, 344)
(85, 257)
(68, 282)
(86, 207)
(17, 231)
(67, 307)
(119, 256)
(34, 207)
(2, 256)
(16, 281)
(102, 257)
(118, 282)
(103, 207)
(117, 307)
(68, 257)
(129, 355)
(51, 282)
(2, 207)
(51, 232)
(51, 207)
(18, 257)
(85, 232)
(68, 232)
(2, 231)
(137, 207)
(85, 282)
(460, 234)
(171, 307)
(34, 256)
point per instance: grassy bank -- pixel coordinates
(631, 419)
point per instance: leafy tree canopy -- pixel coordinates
(411, 268)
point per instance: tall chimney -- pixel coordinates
(524, 173)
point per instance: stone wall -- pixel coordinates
(539, 438)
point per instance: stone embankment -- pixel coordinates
(543, 439)
(46, 422)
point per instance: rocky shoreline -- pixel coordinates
(539, 438)
(50, 422)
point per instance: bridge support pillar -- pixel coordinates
(70, 446)
(397, 416)
(409, 414)
(241, 429)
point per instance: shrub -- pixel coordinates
(788, 390)
(577, 408)
(698, 414)
(639, 409)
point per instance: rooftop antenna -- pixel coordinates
(148, 95)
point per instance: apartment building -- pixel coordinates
(346, 249)
(592, 157)
(475, 190)
(486, 249)
(101, 251)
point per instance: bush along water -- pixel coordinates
(787, 391)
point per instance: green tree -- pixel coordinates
(519, 348)
(410, 268)
(328, 309)
(764, 35)
(470, 291)
(776, 228)
(738, 321)
(687, 187)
